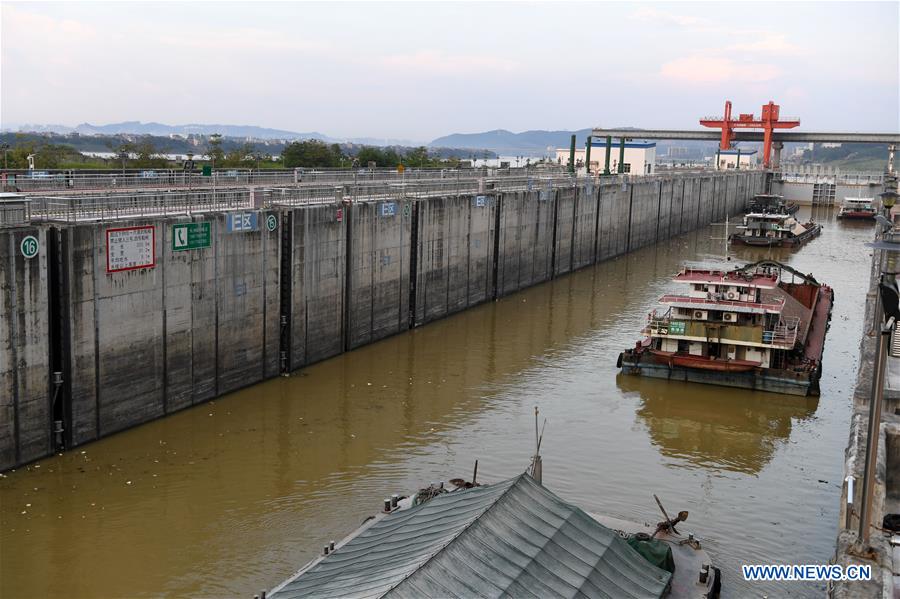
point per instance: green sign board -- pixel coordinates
(190, 236)
(676, 328)
(207, 170)
(30, 246)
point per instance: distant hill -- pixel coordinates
(197, 144)
(535, 143)
(139, 128)
(507, 142)
(236, 131)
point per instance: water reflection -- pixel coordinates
(716, 428)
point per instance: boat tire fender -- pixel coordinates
(716, 585)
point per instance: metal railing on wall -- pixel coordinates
(29, 181)
(147, 203)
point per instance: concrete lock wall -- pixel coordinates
(318, 282)
(25, 394)
(150, 341)
(136, 345)
(525, 239)
(454, 255)
(615, 207)
(378, 270)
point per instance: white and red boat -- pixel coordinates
(857, 209)
(748, 327)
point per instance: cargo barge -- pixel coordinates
(744, 328)
(763, 229)
(772, 203)
(512, 538)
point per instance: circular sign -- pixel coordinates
(271, 222)
(30, 246)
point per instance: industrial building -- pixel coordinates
(729, 159)
(639, 157)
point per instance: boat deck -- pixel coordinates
(818, 325)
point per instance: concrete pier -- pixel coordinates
(885, 557)
(280, 285)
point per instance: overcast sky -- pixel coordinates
(420, 70)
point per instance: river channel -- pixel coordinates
(232, 496)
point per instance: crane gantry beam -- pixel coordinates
(784, 137)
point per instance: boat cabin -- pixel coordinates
(738, 316)
(857, 208)
(770, 225)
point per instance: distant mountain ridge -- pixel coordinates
(533, 142)
(536, 142)
(139, 128)
(239, 131)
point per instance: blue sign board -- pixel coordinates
(388, 209)
(241, 222)
(480, 201)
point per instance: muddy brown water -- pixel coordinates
(232, 496)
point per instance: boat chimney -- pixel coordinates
(394, 499)
(387, 504)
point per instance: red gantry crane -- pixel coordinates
(768, 122)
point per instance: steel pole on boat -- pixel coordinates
(537, 468)
(874, 428)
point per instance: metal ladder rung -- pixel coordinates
(895, 341)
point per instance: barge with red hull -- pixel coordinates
(747, 327)
(857, 209)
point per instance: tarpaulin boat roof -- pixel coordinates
(513, 538)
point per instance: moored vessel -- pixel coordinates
(511, 538)
(742, 328)
(772, 203)
(764, 229)
(857, 209)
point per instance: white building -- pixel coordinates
(640, 157)
(729, 158)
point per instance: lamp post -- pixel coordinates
(5, 157)
(888, 199)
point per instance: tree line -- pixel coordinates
(142, 152)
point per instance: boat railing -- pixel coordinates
(785, 333)
(778, 305)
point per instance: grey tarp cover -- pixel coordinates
(509, 539)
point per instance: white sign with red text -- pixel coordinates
(130, 248)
